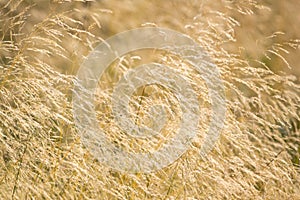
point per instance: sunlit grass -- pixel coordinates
(42, 157)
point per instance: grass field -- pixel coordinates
(255, 45)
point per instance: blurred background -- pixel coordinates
(253, 35)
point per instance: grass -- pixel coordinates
(44, 43)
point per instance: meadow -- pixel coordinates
(254, 44)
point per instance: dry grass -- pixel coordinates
(42, 46)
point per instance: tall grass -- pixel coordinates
(42, 157)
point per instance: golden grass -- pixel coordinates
(42, 46)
